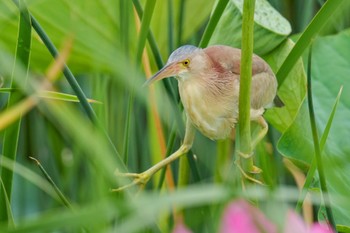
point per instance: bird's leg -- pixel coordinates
(246, 176)
(261, 134)
(142, 178)
(264, 127)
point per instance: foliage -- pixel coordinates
(134, 127)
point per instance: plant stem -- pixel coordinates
(312, 169)
(317, 23)
(59, 193)
(214, 19)
(245, 146)
(323, 183)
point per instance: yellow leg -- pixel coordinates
(255, 170)
(246, 176)
(264, 127)
(142, 178)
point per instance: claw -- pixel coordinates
(255, 170)
(140, 179)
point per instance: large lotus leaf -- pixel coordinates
(296, 143)
(292, 92)
(270, 28)
(330, 70)
(293, 117)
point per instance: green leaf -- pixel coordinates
(292, 92)
(331, 59)
(270, 28)
(52, 95)
(329, 75)
(11, 135)
(317, 23)
(62, 96)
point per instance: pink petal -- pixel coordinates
(294, 223)
(320, 228)
(240, 217)
(181, 228)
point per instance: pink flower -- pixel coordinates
(295, 224)
(240, 216)
(181, 228)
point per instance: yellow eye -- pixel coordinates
(186, 62)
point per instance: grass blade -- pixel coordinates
(54, 95)
(15, 112)
(214, 19)
(317, 147)
(317, 23)
(48, 178)
(10, 143)
(145, 25)
(180, 22)
(311, 172)
(171, 25)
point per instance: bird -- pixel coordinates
(208, 81)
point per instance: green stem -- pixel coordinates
(144, 30)
(170, 26)
(312, 169)
(184, 171)
(222, 159)
(180, 22)
(214, 19)
(317, 23)
(124, 25)
(245, 83)
(157, 56)
(55, 187)
(170, 146)
(317, 148)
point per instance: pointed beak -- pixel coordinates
(168, 70)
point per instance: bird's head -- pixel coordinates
(184, 62)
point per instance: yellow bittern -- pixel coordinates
(208, 82)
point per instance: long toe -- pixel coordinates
(255, 170)
(140, 179)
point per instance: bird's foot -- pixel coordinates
(140, 179)
(253, 171)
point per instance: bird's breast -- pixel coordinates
(209, 115)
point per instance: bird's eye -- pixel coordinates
(186, 62)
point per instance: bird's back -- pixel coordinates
(227, 61)
(210, 95)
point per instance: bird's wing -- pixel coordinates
(227, 59)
